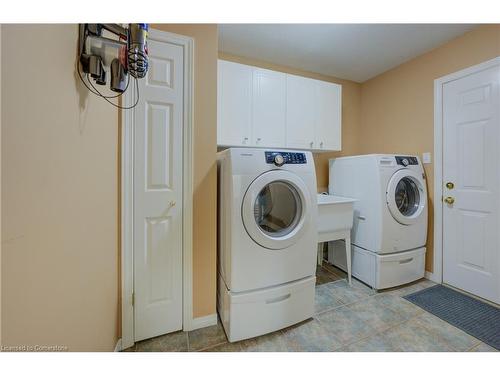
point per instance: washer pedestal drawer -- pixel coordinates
(380, 271)
(250, 314)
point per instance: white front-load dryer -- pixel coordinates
(267, 213)
(390, 216)
(267, 239)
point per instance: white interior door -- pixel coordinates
(471, 141)
(158, 121)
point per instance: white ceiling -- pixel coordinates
(351, 51)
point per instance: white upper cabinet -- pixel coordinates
(234, 104)
(264, 108)
(301, 112)
(328, 116)
(269, 108)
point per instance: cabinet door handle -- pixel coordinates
(321, 144)
(311, 144)
(245, 140)
(258, 140)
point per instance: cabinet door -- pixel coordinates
(328, 120)
(300, 112)
(234, 104)
(269, 108)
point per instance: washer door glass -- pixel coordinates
(277, 209)
(407, 196)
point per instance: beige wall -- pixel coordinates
(397, 107)
(205, 166)
(59, 196)
(351, 111)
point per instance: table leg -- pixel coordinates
(320, 254)
(348, 257)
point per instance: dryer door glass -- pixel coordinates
(277, 209)
(407, 196)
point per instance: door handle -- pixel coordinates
(449, 200)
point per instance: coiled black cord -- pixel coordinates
(95, 91)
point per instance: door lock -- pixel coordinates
(450, 185)
(449, 200)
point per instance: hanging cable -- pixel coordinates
(96, 92)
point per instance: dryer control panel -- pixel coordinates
(285, 157)
(406, 160)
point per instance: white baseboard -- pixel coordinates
(432, 277)
(203, 321)
(118, 346)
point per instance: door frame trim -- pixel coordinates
(437, 274)
(127, 195)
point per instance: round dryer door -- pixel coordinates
(275, 209)
(406, 196)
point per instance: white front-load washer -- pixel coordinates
(266, 241)
(390, 216)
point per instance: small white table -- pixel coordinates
(335, 218)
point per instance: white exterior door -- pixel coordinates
(269, 108)
(234, 104)
(158, 122)
(471, 178)
(300, 112)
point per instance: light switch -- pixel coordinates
(426, 158)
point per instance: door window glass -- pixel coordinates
(277, 209)
(407, 196)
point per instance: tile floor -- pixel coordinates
(348, 318)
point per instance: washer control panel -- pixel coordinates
(406, 160)
(279, 158)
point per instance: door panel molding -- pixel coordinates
(127, 193)
(437, 274)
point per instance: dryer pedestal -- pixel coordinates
(254, 313)
(380, 271)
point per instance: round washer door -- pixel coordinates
(275, 208)
(406, 196)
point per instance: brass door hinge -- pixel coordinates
(133, 298)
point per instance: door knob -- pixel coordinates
(450, 185)
(449, 200)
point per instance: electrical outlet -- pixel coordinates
(426, 158)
